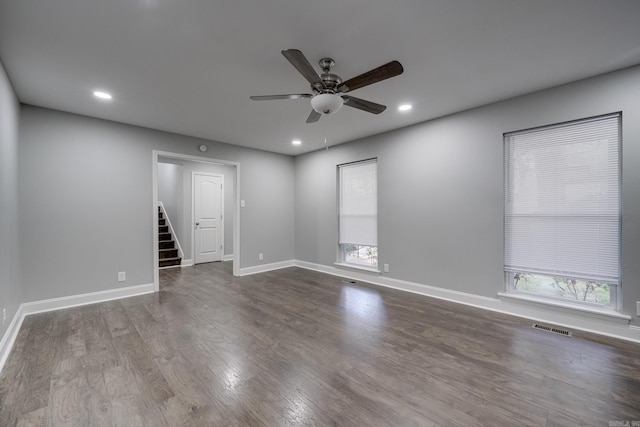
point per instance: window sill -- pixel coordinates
(585, 309)
(357, 267)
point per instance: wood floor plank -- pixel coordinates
(296, 347)
(37, 418)
(68, 400)
(44, 334)
(153, 331)
(139, 364)
(101, 352)
(100, 405)
(176, 413)
(115, 317)
(16, 376)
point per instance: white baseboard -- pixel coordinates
(602, 324)
(266, 267)
(189, 262)
(545, 315)
(84, 299)
(34, 307)
(9, 338)
(587, 322)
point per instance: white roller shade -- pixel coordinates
(358, 210)
(562, 200)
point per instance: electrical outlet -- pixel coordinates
(4, 316)
(386, 268)
(122, 276)
(638, 308)
(260, 257)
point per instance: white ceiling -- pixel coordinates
(189, 66)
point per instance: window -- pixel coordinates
(562, 211)
(358, 214)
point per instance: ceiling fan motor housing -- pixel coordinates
(326, 101)
(330, 81)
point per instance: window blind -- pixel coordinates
(358, 207)
(562, 200)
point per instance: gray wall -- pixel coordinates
(86, 198)
(441, 188)
(10, 290)
(86, 201)
(174, 185)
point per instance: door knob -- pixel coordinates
(197, 223)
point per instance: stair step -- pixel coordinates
(163, 228)
(167, 262)
(164, 236)
(168, 253)
(162, 221)
(166, 244)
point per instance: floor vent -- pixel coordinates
(552, 330)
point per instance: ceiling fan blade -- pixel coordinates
(363, 105)
(376, 75)
(289, 96)
(313, 117)
(303, 66)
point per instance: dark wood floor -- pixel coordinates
(297, 348)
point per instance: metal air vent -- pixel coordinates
(553, 330)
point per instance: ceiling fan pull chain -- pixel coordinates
(326, 131)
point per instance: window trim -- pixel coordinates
(340, 259)
(614, 295)
(615, 304)
(359, 267)
(539, 300)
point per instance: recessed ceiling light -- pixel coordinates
(102, 95)
(296, 142)
(405, 107)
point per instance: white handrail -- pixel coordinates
(173, 233)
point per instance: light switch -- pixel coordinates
(242, 204)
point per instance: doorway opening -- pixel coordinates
(217, 235)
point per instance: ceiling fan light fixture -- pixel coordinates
(326, 103)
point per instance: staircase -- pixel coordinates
(168, 252)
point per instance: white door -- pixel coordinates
(207, 217)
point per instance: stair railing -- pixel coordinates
(173, 233)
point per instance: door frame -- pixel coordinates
(193, 213)
(154, 208)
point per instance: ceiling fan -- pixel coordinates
(329, 89)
